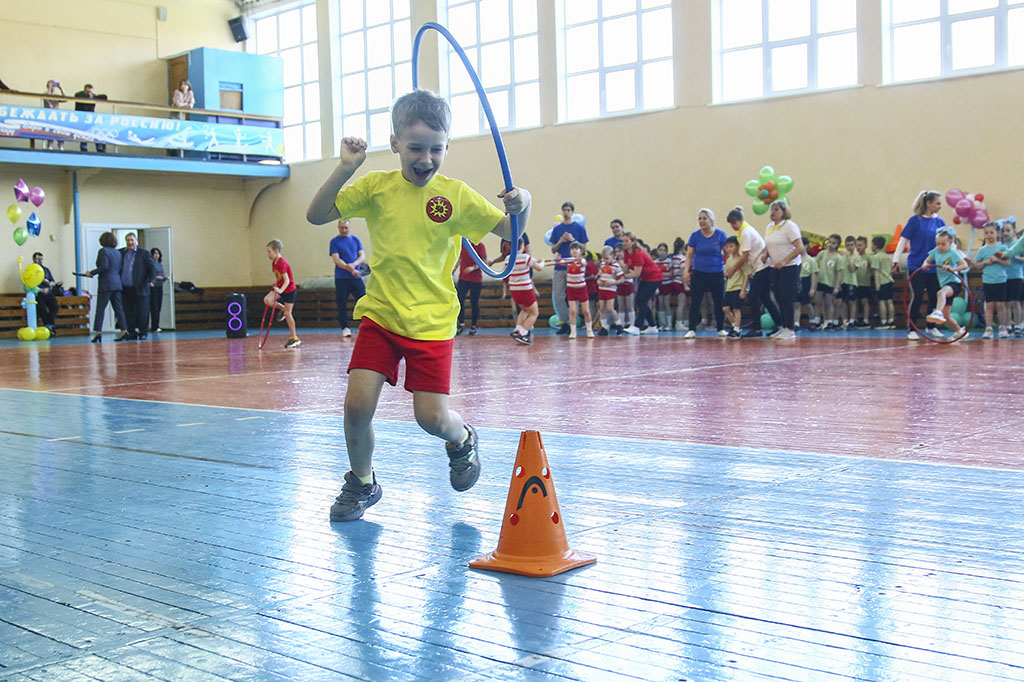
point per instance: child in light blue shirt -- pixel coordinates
(993, 279)
(948, 265)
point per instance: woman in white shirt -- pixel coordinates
(183, 98)
(784, 249)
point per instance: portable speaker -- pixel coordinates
(238, 29)
(235, 311)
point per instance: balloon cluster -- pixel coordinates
(31, 277)
(33, 226)
(970, 208)
(767, 188)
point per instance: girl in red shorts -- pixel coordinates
(609, 279)
(576, 289)
(520, 286)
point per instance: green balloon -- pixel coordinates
(767, 322)
(20, 235)
(553, 321)
(751, 187)
(959, 306)
(760, 208)
(767, 173)
(784, 184)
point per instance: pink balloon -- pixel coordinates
(21, 191)
(953, 196)
(964, 207)
(37, 196)
(980, 218)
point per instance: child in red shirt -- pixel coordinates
(282, 294)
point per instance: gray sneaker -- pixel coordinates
(464, 461)
(354, 498)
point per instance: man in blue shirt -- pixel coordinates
(564, 234)
(616, 239)
(347, 254)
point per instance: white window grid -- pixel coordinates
(589, 92)
(1007, 21)
(290, 33)
(767, 47)
(375, 66)
(501, 42)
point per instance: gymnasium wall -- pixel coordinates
(858, 155)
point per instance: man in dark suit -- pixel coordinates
(137, 279)
(46, 300)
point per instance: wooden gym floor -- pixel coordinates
(845, 506)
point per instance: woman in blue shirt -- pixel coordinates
(919, 234)
(705, 270)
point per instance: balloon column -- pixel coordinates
(31, 277)
(768, 187)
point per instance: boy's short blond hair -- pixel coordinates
(421, 106)
(275, 244)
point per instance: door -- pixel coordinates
(160, 238)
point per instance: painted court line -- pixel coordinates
(130, 431)
(192, 424)
(65, 438)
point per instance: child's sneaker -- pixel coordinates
(1003, 334)
(734, 333)
(354, 498)
(602, 332)
(632, 330)
(292, 343)
(649, 330)
(464, 462)
(690, 335)
(722, 333)
(988, 333)
(472, 330)
(590, 333)
(346, 332)
(936, 316)
(680, 326)
(572, 333)
(913, 336)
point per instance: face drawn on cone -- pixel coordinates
(534, 485)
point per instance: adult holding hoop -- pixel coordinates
(919, 234)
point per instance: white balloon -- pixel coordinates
(978, 205)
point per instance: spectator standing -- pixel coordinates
(182, 98)
(137, 280)
(471, 281)
(347, 253)
(785, 248)
(88, 92)
(760, 284)
(156, 296)
(108, 288)
(53, 88)
(638, 264)
(564, 234)
(617, 228)
(705, 271)
(919, 234)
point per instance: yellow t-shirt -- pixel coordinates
(739, 278)
(415, 238)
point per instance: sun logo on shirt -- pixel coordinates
(439, 209)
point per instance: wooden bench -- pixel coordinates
(72, 318)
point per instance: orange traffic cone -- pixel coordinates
(532, 540)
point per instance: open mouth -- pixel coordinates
(421, 174)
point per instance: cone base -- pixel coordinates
(539, 567)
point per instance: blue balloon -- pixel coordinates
(579, 218)
(33, 225)
(547, 236)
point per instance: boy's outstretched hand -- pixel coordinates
(353, 151)
(513, 200)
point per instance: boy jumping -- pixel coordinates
(416, 220)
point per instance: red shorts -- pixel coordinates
(605, 295)
(670, 289)
(524, 297)
(578, 294)
(428, 364)
(625, 289)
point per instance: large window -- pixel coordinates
(375, 53)
(771, 47)
(502, 46)
(935, 38)
(291, 35)
(614, 57)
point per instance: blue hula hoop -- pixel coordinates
(499, 146)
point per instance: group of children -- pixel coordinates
(839, 287)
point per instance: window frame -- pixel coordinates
(766, 45)
(946, 21)
(602, 71)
